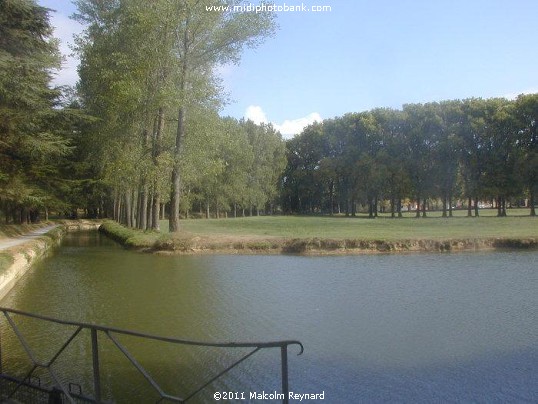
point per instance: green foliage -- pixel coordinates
(472, 149)
(147, 72)
(131, 238)
(32, 145)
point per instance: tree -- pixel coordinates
(203, 40)
(500, 180)
(423, 130)
(29, 146)
(527, 142)
(391, 124)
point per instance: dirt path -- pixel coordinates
(11, 242)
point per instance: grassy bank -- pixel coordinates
(15, 230)
(16, 259)
(130, 238)
(6, 259)
(296, 234)
(11, 231)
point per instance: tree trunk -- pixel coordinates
(424, 208)
(444, 206)
(173, 222)
(115, 207)
(531, 201)
(469, 207)
(418, 207)
(134, 209)
(144, 207)
(121, 209)
(128, 209)
(476, 207)
(156, 152)
(331, 198)
(155, 208)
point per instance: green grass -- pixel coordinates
(433, 227)
(130, 237)
(6, 260)
(14, 230)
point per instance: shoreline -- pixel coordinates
(31, 248)
(189, 244)
(23, 256)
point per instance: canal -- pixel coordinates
(376, 328)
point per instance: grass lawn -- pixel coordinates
(517, 225)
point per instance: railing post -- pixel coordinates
(284, 363)
(95, 361)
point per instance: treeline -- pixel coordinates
(475, 150)
(147, 73)
(140, 136)
(140, 139)
(36, 129)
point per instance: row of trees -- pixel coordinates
(35, 130)
(142, 134)
(142, 130)
(475, 149)
(147, 73)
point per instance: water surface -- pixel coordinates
(400, 328)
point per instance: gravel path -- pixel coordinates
(11, 242)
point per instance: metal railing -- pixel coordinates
(60, 388)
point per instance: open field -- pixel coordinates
(381, 228)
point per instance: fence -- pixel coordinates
(29, 389)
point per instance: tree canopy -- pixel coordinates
(30, 141)
(141, 139)
(478, 150)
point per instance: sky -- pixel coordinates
(364, 54)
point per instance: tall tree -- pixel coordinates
(527, 141)
(202, 41)
(29, 145)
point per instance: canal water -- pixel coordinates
(376, 328)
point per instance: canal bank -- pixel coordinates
(185, 243)
(20, 253)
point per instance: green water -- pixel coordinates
(407, 328)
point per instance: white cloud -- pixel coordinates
(255, 114)
(288, 128)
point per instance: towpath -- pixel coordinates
(14, 241)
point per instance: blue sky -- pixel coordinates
(365, 54)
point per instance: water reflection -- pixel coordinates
(458, 327)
